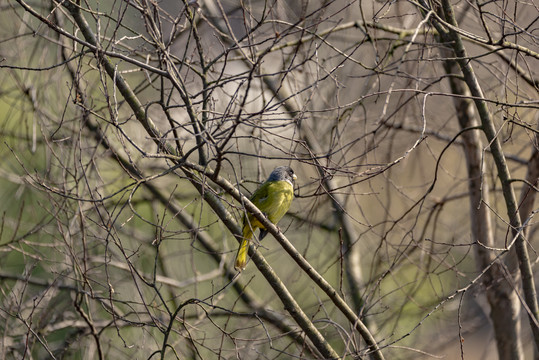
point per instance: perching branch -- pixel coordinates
(296, 256)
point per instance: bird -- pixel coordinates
(273, 198)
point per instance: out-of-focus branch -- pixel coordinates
(503, 300)
(449, 28)
(445, 138)
(528, 194)
(450, 25)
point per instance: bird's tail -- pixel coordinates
(241, 257)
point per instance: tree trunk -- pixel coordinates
(503, 300)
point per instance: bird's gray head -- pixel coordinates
(283, 173)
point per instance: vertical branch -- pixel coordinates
(504, 176)
(503, 300)
(529, 190)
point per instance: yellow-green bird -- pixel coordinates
(273, 198)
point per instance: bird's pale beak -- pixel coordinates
(294, 177)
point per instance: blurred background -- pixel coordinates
(121, 122)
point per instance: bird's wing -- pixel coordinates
(260, 195)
